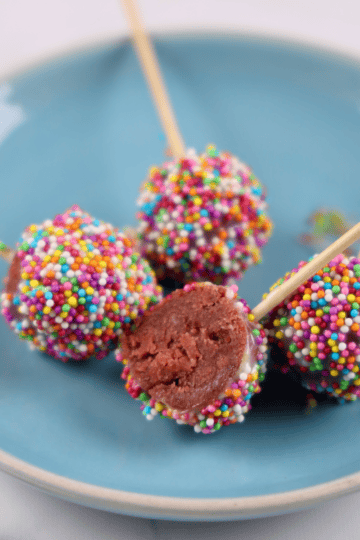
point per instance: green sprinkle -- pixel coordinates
(143, 396)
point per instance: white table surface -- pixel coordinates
(33, 31)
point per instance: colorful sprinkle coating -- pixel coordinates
(319, 328)
(203, 218)
(234, 402)
(79, 284)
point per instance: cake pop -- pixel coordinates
(318, 328)
(197, 357)
(74, 284)
(202, 218)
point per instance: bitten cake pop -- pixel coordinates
(318, 327)
(74, 284)
(196, 357)
(202, 218)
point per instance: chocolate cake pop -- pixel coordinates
(203, 218)
(196, 357)
(74, 284)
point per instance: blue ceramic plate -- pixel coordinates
(83, 130)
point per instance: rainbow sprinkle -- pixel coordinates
(319, 328)
(80, 283)
(234, 402)
(203, 218)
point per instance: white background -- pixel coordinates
(33, 31)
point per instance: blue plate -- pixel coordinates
(83, 130)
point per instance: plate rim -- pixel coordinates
(185, 508)
(164, 507)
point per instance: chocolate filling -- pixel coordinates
(187, 350)
(13, 276)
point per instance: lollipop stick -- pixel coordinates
(151, 69)
(6, 252)
(306, 272)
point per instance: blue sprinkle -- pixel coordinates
(256, 191)
(322, 302)
(92, 308)
(97, 324)
(96, 222)
(64, 268)
(345, 371)
(356, 285)
(316, 278)
(119, 297)
(81, 292)
(16, 300)
(231, 244)
(188, 227)
(327, 286)
(147, 409)
(314, 305)
(335, 356)
(224, 407)
(111, 238)
(354, 313)
(127, 319)
(170, 251)
(48, 295)
(88, 298)
(334, 336)
(204, 213)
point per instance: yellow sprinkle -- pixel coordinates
(217, 412)
(312, 354)
(47, 310)
(342, 315)
(102, 264)
(207, 227)
(338, 390)
(341, 360)
(86, 260)
(63, 314)
(225, 414)
(355, 369)
(279, 335)
(59, 232)
(111, 324)
(159, 407)
(34, 283)
(98, 332)
(25, 289)
(334, 372)
(251, 317)
(67, 293)
(319, 313)
(198, 201)
(357, 382)
(24, 275)
(276, 322)
(32, 228)
(313, 345)
(331, 342)
(89, 290)
(307, 297)
(114, 306)
(315, 329)
(72, 301)
(351, 298)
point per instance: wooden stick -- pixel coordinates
(151, 69)
(6, 252)
(285, 289)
